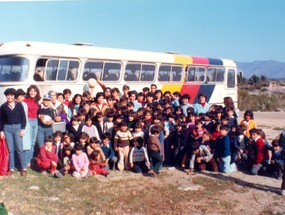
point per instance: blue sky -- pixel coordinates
(242, 30)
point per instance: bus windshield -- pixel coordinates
(13, 69)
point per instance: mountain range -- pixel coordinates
(270, 69)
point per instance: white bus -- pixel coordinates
(59, 66)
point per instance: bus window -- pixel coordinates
(211, 74)
(147, 72)
(72, 70)
(190, 73)
(51, 70)
(93, 70)
(62, 71)
(215, 74)
(176, 73)
(40, 68)
(132, 72)
(13, 69)
(111, 71)
(164, 73)
(231, 78)
(220, 77)
(200, 74)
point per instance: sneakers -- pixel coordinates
(23, 172)
(283, 192)
(89, 174)
(58, 174)
(10, 172)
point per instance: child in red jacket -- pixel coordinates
(47, 158)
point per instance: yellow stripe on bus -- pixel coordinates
(172, 87)
(183, 59)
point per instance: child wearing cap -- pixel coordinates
(45, 120)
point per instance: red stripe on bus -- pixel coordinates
(200, 60)
(191, 90)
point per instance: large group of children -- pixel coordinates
(129, 130)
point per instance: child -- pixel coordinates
(96, 165)
(138, 130)
(59, 145)
(99, 123)
(179, 146)
(277, 160)
(261, 154)
(139, 161)
(108, 151)
(154, 148)
(248, 121)
(46, 118)
(132, 120)
(223, 151)
(66, 162)
(109, 124)
(83, 140)
(47, 158)
(89, 128)
(68, 139)
(201, 157)
(80, 162)
(74, 127)
(199, 130)
(122, 141)
(94, 145)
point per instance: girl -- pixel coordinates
(89, 128)
(75, 105)
(100, 105)
(96, 165)
(66, 161)
(32, 100)
(12, 127)
(248, 121)
(80, 162)
(47, 159)
(68, 139)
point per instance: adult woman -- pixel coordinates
(12, 127)
(32, 100)
(75, 105)
(100, 105)
(202, 106)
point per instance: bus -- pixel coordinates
(56, 67)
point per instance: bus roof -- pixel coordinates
(92, 52)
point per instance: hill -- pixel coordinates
(271, 69)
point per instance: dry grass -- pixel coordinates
(121, 193)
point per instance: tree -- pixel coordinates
(263, 78)
(255, 79)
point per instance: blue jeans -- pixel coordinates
(42, 133)
(33, 131)
(15, 143)
(226, 166)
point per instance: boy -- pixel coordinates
(201, 156)
(154, 148)
(223, 151)
(139, 161)
(122, 141)
(108, 151)
(261, 151)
